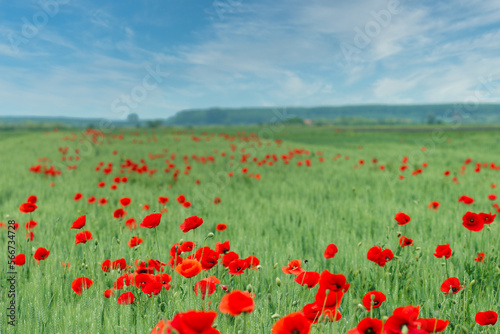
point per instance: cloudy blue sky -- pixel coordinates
(102, 58)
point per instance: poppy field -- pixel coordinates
(283, 230)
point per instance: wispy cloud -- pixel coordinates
(247, 53)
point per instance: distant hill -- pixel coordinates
(341, 115)
(336, 115)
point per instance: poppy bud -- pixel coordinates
(269, 297)
(249, 288)
(275, 316)
(274, 267)
(259, 267)
(418, 248)
(361, 307)
(209, 235)
(360, 243)
(118, 241)
(278, 282)
(472, 282)
(398, 234)
(443, 264)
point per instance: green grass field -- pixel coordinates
(291, 212)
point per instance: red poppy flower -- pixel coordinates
(91, 199)
(228, 258)
(187, 246)
(41, 254)
(19, 260)
(134, 242)
(106, 266)
(373, 299)
(486, 318)
(181, 199)
(81, 283)
(434, 205)
(379, 256)
(217, 200)
(237, 302)
(101, 184)
(433, 325)
(252, 262)
(77, 197)
(151, 221)
(402, 218)
(472, 221)
(30, 235)
(480, 258)
(186, 204)
(204, 287)
(30, 225)
(119, 213)
(308, 278)
(237, 267)
(119, 264)
(27, 207)
(221, 227)
(466, 200)
(125, 201)
(163, 200)
(451, 284)
(108, 293)
(294, 268)
(145, 207)
(102, 201)
(333, 282)
(191, 223)
(83, 237)
(189, 322)
(487, 218)
(126, 298)
(404, 317)
(492, 197)
(404, 241)
(164, 279)
(443, 251)
(330, 251)
(222, 247)
(189, 268)
(123, 280)
(207, 257)
(368, 326)
(32, 199)
(79, 222)
(131, 224)
(293, 323)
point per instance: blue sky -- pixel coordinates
(106, 58)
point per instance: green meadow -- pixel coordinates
(289, 212)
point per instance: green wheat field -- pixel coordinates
(285, 193)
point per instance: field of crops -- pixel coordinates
(283, 229)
